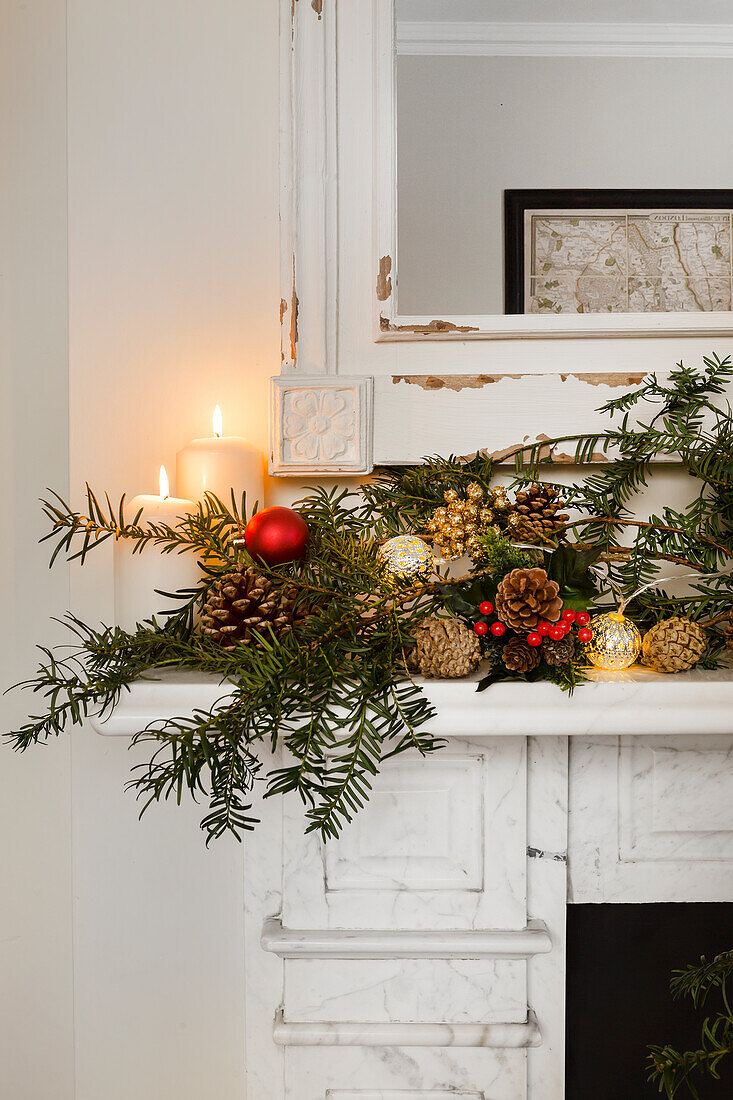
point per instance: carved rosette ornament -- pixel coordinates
(321, 425)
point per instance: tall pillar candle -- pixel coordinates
(140, 577)
(219, 464)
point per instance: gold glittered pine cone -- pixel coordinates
(536, 515)
(243, 604)
(525, 597)
(517, 656)
(445, 649)
(456, 525)
(674, 645)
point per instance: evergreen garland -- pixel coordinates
(334, 691)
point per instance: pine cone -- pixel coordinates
(244, 604)
(520, 657)
(558, 652)
(445, 648)
(674, 645)
(536, 515)
(525, 597)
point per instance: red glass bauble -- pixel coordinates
(556, 633)
(486, 607)
(534, 638)
(497, 629)
(276, 535)
(582, 618)
(543, 628)
(480, 628)
(569, 615)
(585, 635)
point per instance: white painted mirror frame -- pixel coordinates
(361, 385)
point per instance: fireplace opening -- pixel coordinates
(620, 959)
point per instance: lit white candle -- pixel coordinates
(218, 465)
(141, 577)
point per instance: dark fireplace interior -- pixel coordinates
(620, 959)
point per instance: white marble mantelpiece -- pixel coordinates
(634, 701)
(421, 954)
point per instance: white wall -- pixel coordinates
(173, 306)
(36, 998)
(471, 127)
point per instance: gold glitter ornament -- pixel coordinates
(455, 527)
(499, 500)
(406, 558)
(616, 641)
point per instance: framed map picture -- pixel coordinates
(605, 251)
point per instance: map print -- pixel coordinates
(640, 261)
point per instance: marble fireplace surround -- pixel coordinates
(421, 956)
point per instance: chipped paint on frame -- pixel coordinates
(317, 6)
(546, 454)
(431, 328)
(459, 382)
(384, 281)
(289, 326)
(294, 321)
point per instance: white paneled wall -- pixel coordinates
(173, 307)
(36, 1017)
(173, 268)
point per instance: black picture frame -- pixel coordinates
(516, 202)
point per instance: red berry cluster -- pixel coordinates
(556, 631)
(482, 628)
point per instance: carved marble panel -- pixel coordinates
(651, 819)
(441, 845)
(321, 424)
(421, 830)
(675, 799)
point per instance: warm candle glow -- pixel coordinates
(165, 489)
(217, 422)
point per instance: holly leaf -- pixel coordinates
(464, 600)
(571, 569)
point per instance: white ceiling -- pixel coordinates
(567, 11)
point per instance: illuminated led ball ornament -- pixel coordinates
(406, 559)
(276, 535)
(616, 641)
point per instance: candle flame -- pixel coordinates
(217, 422)
(165, 489)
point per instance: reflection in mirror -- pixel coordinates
(561, 98)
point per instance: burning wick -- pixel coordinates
(217, 422)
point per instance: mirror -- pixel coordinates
(563, 158)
